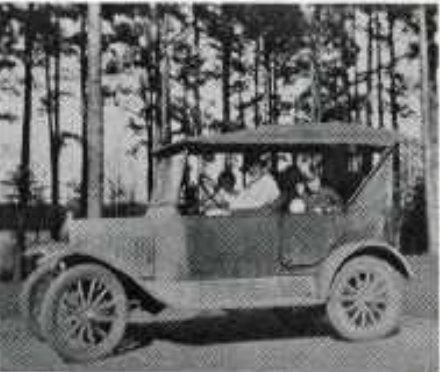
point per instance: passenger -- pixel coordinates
(226, 179)
(320, 198)
(261, 190)
(306, 165)
(288, 177)
(189, 201)
(292, 181)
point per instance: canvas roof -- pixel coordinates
(285, 136)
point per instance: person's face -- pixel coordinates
(255, 171)
(314, 184)
(283, 162)
(300, 188)
(304, 163)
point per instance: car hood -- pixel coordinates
(103, 234)
(129, 244)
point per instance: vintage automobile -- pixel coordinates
(178, 255)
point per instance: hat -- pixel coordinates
(252, 159)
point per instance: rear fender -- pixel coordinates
(341, 255)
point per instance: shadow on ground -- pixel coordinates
(230, 327)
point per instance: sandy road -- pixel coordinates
(244, 340)
(257, 340)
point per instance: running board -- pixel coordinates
(237, 293)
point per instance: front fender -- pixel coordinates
(76, 256)
(342, 254)
(137, 286)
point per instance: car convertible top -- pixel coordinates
(268, 137)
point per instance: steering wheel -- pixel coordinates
(209, 191)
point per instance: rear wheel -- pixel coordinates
(365, 299)
(84, 314)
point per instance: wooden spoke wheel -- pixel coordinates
(365, 299)
(84, 314)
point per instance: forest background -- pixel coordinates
(176, 70)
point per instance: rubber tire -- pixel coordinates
(50, 308)
(38, 280)
(394, 282)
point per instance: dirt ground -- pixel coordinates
(246, 340)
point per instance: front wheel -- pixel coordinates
(365, 299)
(84, 313)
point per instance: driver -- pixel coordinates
(260, 191)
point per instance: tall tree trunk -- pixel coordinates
(257, 52)
(83, 87)
(56, 137)
(95, 128)
(148, 95)
(165, 82)
(394, 113)
(226, 78)
(348, 101)
(25, 155)
(154, 129)
(380, 105)
(316, 85)
(355, 77)
(51, 128)
(392, 72)
(267, 81)
(429, 139)
(226, 34)
(197, 50)
(151, 142)
(269, 87)
(150, 149)
(49, 93)
(241, 113)
(27, 108)
(188, 126)
(346, 71)
(275, 97)
(158, 85)
(369, 113)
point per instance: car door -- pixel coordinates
(306, 238)
(244, 244)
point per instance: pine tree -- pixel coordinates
(95, 130)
